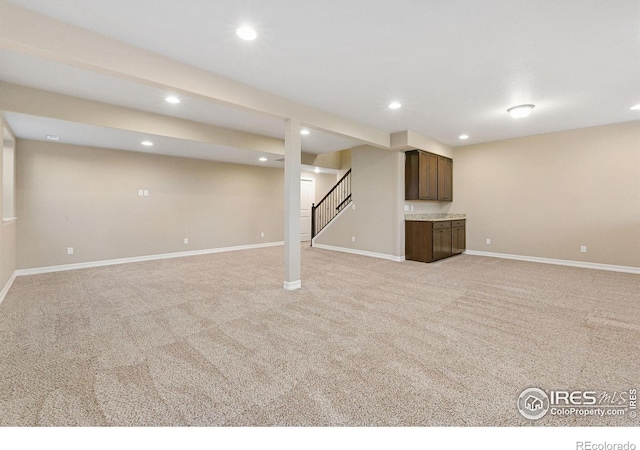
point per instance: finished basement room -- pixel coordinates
(321, 214)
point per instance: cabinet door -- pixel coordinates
(458, 240)
(445, 179)
(418, 245)
(428, 185)
(411, 175)
(441, 243)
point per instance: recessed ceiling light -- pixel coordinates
(304, 131)
(520, 111)
(52, 137)
(247, 33)
(635, 107)
(394, 105)
(172, 99)
(463, 136)
(263, 159)
(316, 170)
(147, 143)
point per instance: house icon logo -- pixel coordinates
(533, 403)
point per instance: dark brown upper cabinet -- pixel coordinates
(445, 179)
(428, 176)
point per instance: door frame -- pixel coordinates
(313, 181)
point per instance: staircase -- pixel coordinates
(330, 206)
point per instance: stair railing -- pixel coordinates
(330, 205)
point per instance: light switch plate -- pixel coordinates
(69, 250)
(146, 192)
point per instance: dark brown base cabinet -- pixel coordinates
(430, 241)
(458, 238)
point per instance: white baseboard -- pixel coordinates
(360, 252)
(558, 262)
(292, 285)
(5, 289)
(110, 262)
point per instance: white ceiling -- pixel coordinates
(456, 66)
(52, 76)
(37, 128)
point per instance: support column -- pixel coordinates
(292, 156)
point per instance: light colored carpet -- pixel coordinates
(215, 340)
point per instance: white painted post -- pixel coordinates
(292, 157)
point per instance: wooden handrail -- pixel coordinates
(322, 214)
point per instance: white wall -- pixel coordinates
(377, 221)
(547, 195)
(7, 230)
(87, 198)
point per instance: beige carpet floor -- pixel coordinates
(214, 340)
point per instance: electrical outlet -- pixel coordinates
(69, 250)
(488, 241)
(140, 192)
(353, 206)
(411, 207)
(353, 238)
(583, 249)
(262, 234)
(406, 207)
(146, 192)
(186, 240)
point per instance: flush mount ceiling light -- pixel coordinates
(172, 99)
(316, 170)
(51, 137)
(247, 33)
(304, 132)
(636, 107)
(520, 111)
(147, 143)
(263, 159)
(463, 136)
(394, 105)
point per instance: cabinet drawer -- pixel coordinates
(457, 223)
(441, 225)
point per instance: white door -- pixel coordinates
(307, 197)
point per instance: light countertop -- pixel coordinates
(433, 217)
